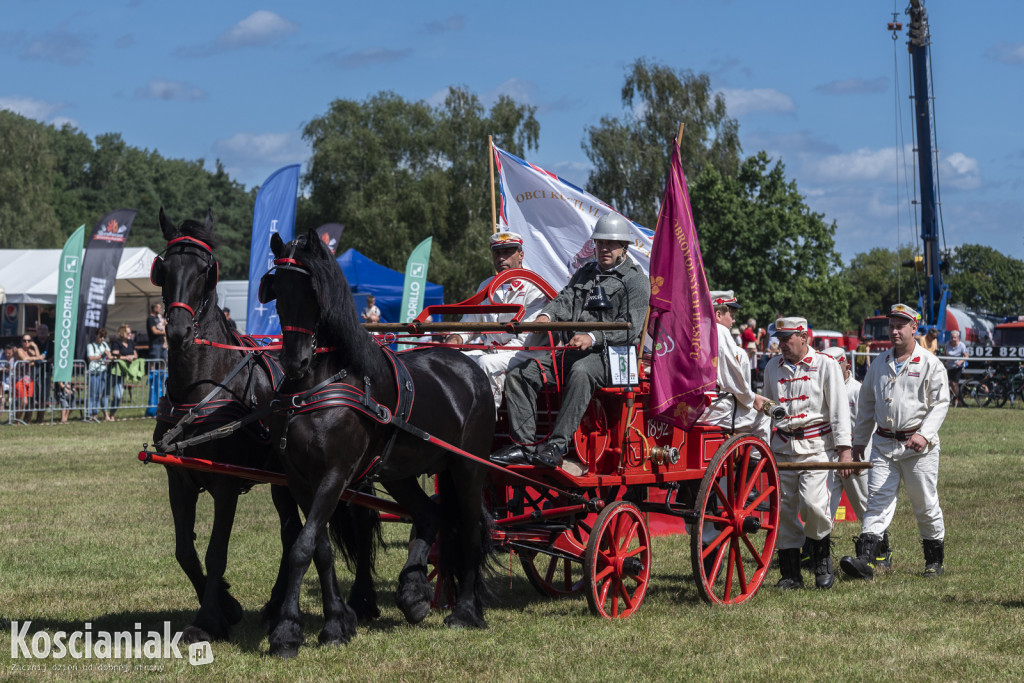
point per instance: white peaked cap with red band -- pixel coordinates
(500, 240)
(837, 352)
(904, 311)
(787, 326)
(724, 298)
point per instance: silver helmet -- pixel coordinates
(612, 226)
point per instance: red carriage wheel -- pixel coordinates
(737, 520)
(617, 564)
(560, 573)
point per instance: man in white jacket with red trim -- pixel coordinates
(903, 401)
(504, 349)
(733, 378)
(810, 386)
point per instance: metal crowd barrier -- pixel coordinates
(119, 389)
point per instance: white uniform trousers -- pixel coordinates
(856, 487)
(496, 365)
(804, 493)
(920, 475)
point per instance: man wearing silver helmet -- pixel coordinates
(611, 288)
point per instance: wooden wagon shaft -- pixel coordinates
(514, 327)
(823, 465)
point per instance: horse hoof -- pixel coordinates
(335, 634)
(286, 639)
(232, 609)
(365, 607)
(194, 634)
(413, 599)
(460, 618)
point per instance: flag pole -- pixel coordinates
(490, 157)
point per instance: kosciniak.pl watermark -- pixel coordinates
(90, 644)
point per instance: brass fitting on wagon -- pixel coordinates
(664, 455)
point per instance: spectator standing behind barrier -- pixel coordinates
(24, 382)
(231, 323)
(810, 386)
(42, 370)
(122, 349)
(955, 366)
(99, 356)
(156, 325)
(370, 314)
(6, 388)
(904, 400)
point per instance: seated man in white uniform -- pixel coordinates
(734, 378)
(504, 349)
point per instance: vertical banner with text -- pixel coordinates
(66, 315)
(274, 212)
(415, 280)
(99, 271)
(330, 233)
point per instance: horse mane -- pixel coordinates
(339, 325)
(199, 231)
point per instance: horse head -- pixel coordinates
(300, 289)
(187, 275)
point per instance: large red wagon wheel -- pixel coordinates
(558, 571)
(617, 564)
(737, 520)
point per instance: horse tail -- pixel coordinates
(454, 556)
(357, 533)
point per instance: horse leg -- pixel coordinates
(286, 638)
(291, 525)
(219, 610)
(356, 530)
(183, 495)
(339, 619)
(414, 592)
(464, 524)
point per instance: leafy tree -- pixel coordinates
(396, 172)
(878, 280)
(760, 239)
(986, 280)
(629, 155)
(27, 176)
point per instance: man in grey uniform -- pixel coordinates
(904, 400)
(612, 288)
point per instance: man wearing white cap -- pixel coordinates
(504, 349)
(810, 386)
(903, 401)
(733, 378)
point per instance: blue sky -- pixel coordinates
(815, 84)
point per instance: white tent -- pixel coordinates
(29, 276)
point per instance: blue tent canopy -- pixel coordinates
(366, 276)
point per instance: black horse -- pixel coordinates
(241, 383)
(344, 398)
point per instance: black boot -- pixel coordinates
(862, 566)
(824, 575)
(789, 566)
(807, 555)
(883, 558)
(934, 553)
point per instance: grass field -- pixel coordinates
(86, 537)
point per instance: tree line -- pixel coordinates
(396, 171)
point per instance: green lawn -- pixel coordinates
(87, 537)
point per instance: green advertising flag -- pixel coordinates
(67, 306)
(415, 281)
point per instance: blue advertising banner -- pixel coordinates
(274, 212)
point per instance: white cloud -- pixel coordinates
(60, 46)
(861, 165)
(276, 148)
(159, 89)
(259, 29)
(30, 107)
(757, 100)
(960, 171)
(1007, 53)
